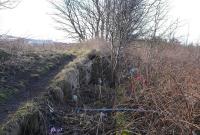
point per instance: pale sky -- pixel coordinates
(187, 11)
(31, 19)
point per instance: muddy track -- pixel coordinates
(33, 89)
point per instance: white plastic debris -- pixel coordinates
(75, 98)
(53, 130)
(102, 115)
(133, 71)
(50, 108)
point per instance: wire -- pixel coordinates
(115, 110)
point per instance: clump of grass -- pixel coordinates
(24, 110)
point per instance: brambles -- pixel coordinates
(172, 89)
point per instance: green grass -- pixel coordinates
(6, 93)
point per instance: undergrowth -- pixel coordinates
(167, 81)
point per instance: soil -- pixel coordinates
(34, 88)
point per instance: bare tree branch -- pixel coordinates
(115, 21)
(8, 4)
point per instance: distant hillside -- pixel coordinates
(30, 41)
(38, 41)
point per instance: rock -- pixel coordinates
(71, 82)
(57, 94)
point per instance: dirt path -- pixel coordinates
(32, 90)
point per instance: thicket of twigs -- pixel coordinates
(168, 82)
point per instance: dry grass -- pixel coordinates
(19, 47)
(172, 75)
(20, 63)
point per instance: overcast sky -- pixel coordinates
(31, 19)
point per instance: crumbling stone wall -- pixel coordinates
(91, 69)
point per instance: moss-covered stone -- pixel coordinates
(24, 110)
(101, 71)
(68, 78)
(56, 93)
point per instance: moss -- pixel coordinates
(120, 94)
(4, 55)
(24, 110)
(68, 78)
(27, 120)
(120, 119)
(50, 65)
(1, 131)
(121, 122)
(45, 65)
(125, 132)
(56, 94)
(65, 55)
(3, 96)
(46, 68)
(6, 93)
(68, 68)
(20, 114)
(80, 52)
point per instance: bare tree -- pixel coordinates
(115, 21)
(102, 18)
(163, 27)
(8, 4)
